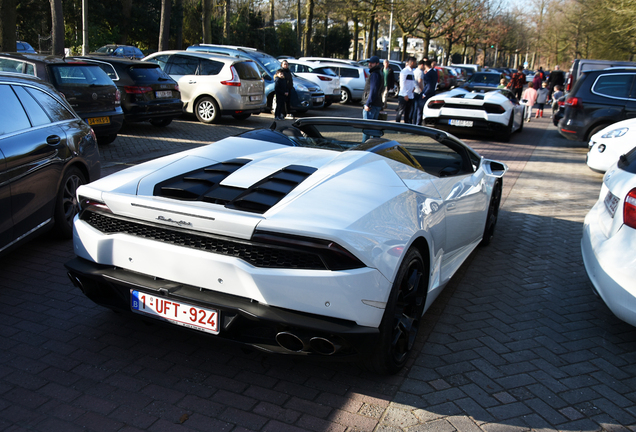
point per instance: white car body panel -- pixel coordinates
(605, 151)
(608, 247)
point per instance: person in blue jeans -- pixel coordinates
(373, 90)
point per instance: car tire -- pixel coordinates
(207, 110)
(402, 316)
(161, 122)
(106, 139)
(66, 205)
(505, 136)
(345, 96)
(594, 130)
(493, 214)
(521, 125)
(241, 116)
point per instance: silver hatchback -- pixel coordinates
(213, 85)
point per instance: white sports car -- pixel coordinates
(607, 145)
(298, 240)
(609, 239)
(494, 112)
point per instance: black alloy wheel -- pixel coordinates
(402, 316)
(66, 205)
(493, 214)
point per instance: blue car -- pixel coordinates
(306, 95)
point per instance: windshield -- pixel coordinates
(106, 49)
(485, 79)
(268, 62)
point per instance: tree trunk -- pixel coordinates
(299, 27)
(404, 42)
(308, 27)
(207, 21)
(326, 31)
(226, 21)
(164, 26)
(370, 36)
(57, 27)
(356, 35)
(8, 18)
(271, 13)
(126, 12)
(179, 36)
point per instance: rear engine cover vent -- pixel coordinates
(204, 185)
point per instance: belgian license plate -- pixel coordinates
(611, 202)
(256, 98)
(163, 94)
(461, 123)
(98, 121)
(320, 99)
(186, 315)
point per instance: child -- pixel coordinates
(280, 87)
(502, 83)
(529, 98)
(558, 94)
(542, 98)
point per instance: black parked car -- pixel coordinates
(598, 99)
(46, 153)
(86, 87)
(147, 92)
(122, 51)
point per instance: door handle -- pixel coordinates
(451, 206)
(192, 82)
(53, 140)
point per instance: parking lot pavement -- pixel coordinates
(517, 341)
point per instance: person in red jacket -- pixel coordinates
(517, 82)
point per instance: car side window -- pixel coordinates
(119, 52)
(161, 60)
(55, 110)
(181, 65)
(210, 67)
(613, 85)
(349, 73)
(13, 117)
(11, 65)
(110, 71)
(35, 112)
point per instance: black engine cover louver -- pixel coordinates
(205, 185)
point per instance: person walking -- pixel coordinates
(517, 81)
(280, 88)
(430, 83)
(529, 98)
(289, 79)
(405, 96)
(558, 94)
(373, 90)
(418, 93)
(557, 78)
(537, 80)
(389, 82)
(542, 98)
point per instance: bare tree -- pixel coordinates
(207, 21)
(126, 12)
(226, 20)
(8, 18)
(309, 18)
(164, 25)
(57, 27)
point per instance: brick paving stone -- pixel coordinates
(516, 341)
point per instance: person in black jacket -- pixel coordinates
(373, 90)
(289, 79)
(280, 88)
(389, 81)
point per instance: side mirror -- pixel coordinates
(494, 168)
(266, 76)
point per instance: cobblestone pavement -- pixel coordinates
(516, 342)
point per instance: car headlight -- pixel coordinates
(601, 148)
(300, 87)
(615, 133)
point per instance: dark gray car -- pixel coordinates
(46, 153)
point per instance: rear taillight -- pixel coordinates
(561, 103)
(136, 89)
(494, 108)
(568, 86)
(629, 209)
(235, 81)
(574, 102)
(435, 104)
(366, 74)
(90, 204)
(117, 97)
(176, 87)
(324, 78)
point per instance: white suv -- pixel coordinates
(318, 74)
(352, 77)
(214, 85)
